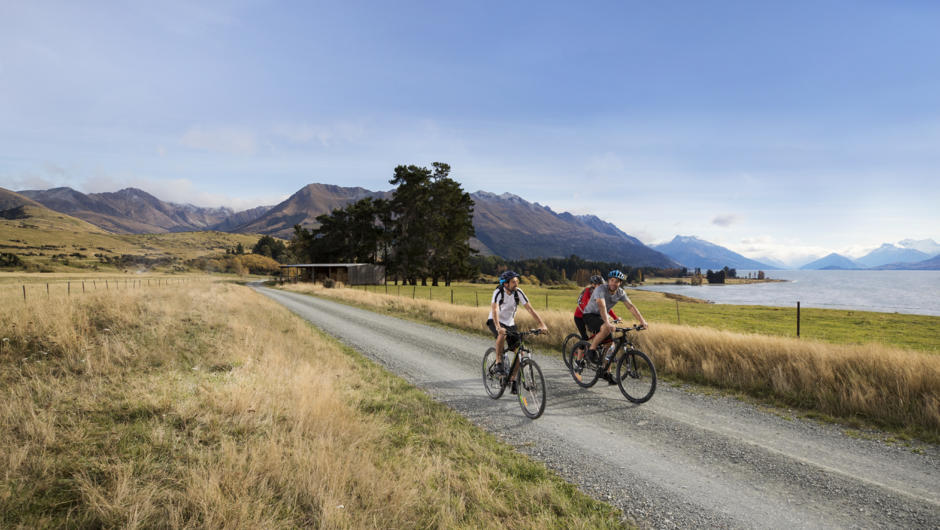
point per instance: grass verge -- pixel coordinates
(918, 332)
(213, 406)
(883, 386)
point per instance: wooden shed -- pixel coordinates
(348, 273)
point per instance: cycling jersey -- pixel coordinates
(583, 301)
(507, 303)
(610, 299)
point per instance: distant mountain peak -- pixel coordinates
(833, 260)
(693, 252)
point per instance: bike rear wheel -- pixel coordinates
(636, 376)
(492, 380)
(584, 370)
(531, 389)
(568, 346)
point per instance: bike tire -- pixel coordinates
(568, 346)
(584, 371)
(531, 389)
(636, 376)
(493, 382)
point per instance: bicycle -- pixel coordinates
(635, 373)
(567, 347)
(531, 384)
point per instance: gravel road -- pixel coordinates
(682, 460)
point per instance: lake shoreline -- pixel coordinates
(906, 292)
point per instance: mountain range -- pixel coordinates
(134, 211)
(696, 253)
(506, 225)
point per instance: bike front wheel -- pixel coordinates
(531, 389)
(568, 347)
(584, 370)
(492, 378)
(636, 376)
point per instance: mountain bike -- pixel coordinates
(531, 384)
(567, 347)
(634, 373)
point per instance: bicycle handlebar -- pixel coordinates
(524, 333)
(635, 327)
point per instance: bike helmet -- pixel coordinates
(596, 280)
(508, 275)
(617, 274)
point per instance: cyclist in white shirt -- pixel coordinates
(506, 299)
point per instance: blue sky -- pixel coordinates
(787, 130)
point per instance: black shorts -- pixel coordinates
(512, 341)
(593, 321)
(579, 323)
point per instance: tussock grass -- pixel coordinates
(212, 406)
(882, 385)
(838, 326)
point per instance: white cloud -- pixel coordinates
(227, 140)
(725, 220)
(180, 191)
(325, 135)
(28, 181)
(793, 252)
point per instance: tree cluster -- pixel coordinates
(272, 248)
(720, 276)
(423, 231)
(560, 271)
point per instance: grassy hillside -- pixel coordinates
(51, 241)
(872, 383)
(207, 405)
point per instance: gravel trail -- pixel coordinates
(681, 460)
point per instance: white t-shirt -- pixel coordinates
(507, 309)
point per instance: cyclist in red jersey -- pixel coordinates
(583, 301)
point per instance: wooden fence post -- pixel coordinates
(414, 289)
(546, 300)
(47, 289)
(451, 297)
(68, 286)
(24, 292)
(83, 286)
(477, 295)
(797, 318)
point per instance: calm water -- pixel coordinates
(916, 292)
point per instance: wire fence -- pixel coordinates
(831, 322)
(73, 287)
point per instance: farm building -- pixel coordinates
(348, 273)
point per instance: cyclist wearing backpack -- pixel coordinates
(506, 299)
(602, 300)
(583, 300)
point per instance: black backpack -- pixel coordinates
(502, 294)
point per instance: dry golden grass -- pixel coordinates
(211, 406)
(882, 385)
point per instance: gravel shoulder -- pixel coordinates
(683, 459)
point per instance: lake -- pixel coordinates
(915, 292)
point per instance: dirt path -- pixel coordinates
(681, 460)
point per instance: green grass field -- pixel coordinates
(920, 332)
